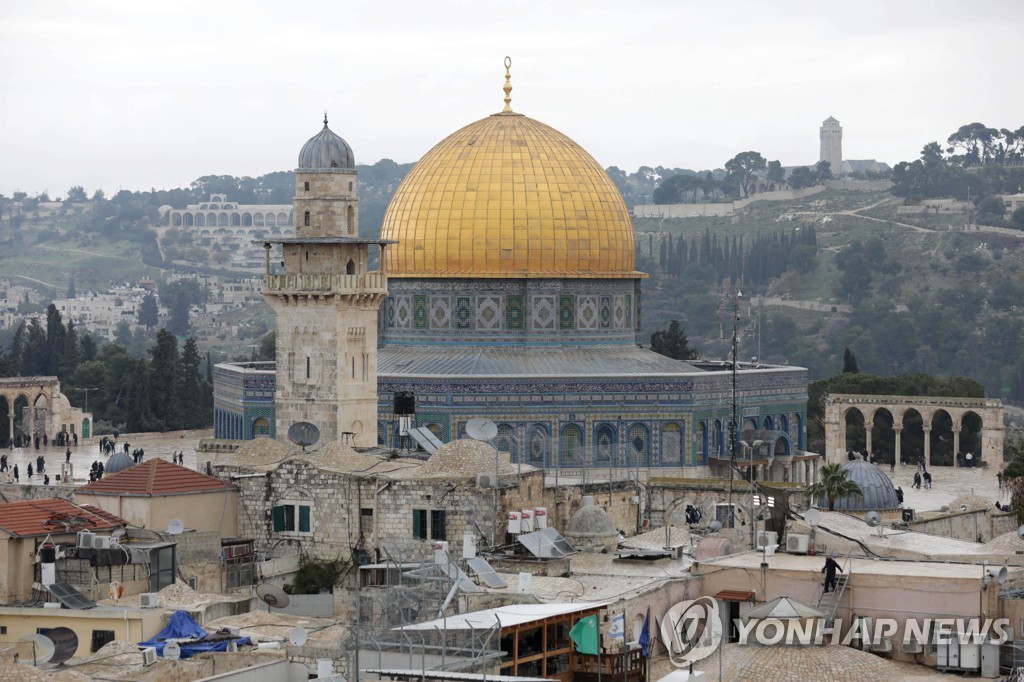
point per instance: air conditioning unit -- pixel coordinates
(101, 542)
(766, 538)
(85, 539)
(484, 480)
(679, 552)
(908, 515)
(797, 544)
(148, 656)
(149, 600)
(911, 647)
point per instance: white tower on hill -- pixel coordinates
(832, 144)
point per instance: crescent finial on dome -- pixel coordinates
(508, 86)
(325, 118)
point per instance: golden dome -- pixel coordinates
(509, 197)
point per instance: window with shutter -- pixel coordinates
(419, 524)
(437, 524)
(304, 525)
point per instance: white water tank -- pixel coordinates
(540, 517)
(526, 521)
(514, 523)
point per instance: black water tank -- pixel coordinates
(47, 554)
(405, 403)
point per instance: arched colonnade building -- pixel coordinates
(33, 406)
(941, 429)
(227, 216)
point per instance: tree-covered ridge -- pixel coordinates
(166, 391)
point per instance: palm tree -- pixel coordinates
(833, 484)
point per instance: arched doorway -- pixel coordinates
(856, 437)
(912, 439)
(5, 422)
(941, 439)
(883, 438)
(21, 410)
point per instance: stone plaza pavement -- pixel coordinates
(155, 445)
(948, 483)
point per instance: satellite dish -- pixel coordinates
(715, 526)
(481, 429)
(297, 636)
(175, 527)
(1020, 532)
(272, 595)
(304, 434)
(38, 648)
(172, 651)
(66, 642)
(872, 518)
(812, 517)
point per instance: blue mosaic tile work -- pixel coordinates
(566, 313)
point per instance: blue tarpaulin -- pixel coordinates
(190, 636)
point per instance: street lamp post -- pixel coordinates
(87, 398)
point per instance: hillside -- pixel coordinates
(913, 294)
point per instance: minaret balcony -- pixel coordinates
(326, 283)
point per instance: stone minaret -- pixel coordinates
(326, 301)
(832, 144)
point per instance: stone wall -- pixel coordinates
(721, 209)
(12, 492)
(975, 525)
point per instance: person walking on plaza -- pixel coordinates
(16, 476)
(927, 480)
(917, 479)
(3, 463)
(29, 468)
(67, 456)
(829, 569)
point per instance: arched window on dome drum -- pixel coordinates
(261, 428)
(539, 444)
(570, 445)
(701, 443)
(604, 445)
(672, 444)
(784, 424)
(749, 423)
(718, 439)
(639, 446)
(506, 441)
(769, 423)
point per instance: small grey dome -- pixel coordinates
(326, 150)
(590, 521)
(119, 462)
(879, 492)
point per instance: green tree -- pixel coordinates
(77, 194)
(1018, 218)
(776, 174)
(55, 333)
(268, 347)
(166, 368)
(849, 362)
(991, 210)
(139, 400)
(802, 177)
(72, 353)
(742, 168)
(823, 171)
(179, 319)
(678, 189)
(194, 395)
(88, 344)
(672, 342)
(98, 196)
(149, 313)
(834, 484)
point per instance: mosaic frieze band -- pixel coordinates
(504, 312)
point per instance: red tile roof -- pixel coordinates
(155, 477)
(27, 518)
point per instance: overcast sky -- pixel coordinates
(139, 94)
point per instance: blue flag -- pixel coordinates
(645, 635)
